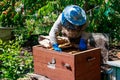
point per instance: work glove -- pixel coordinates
(56, 47)
(82, 44)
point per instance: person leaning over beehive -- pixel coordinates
(71, 23)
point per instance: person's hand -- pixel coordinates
(82, 44)
(56, 48)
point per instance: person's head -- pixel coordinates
(73, 15)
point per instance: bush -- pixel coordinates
(14, 63)
(105, 19)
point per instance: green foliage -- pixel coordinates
(14, 63)
(48, 13)
(11, 13)
(105, 19)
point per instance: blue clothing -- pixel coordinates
(56, 48)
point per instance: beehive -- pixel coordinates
(70, 64)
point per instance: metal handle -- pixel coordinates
(68, 66)
(52, 64)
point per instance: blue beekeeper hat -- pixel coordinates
(74, 14)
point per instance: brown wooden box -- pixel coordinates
(84, 65)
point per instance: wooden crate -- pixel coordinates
(67, 65)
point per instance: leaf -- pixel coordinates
(106, 13)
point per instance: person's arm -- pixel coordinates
(54, 32)
(84, 34)
(84, 37)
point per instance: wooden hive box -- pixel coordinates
(67, 65)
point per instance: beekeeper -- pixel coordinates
(71, 23)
